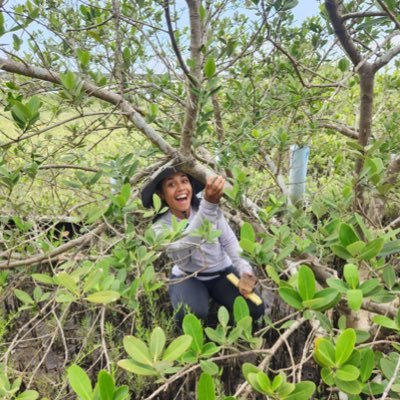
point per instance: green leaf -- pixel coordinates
(247, 232)
(2, 28)
(210, 67)
(341, 251)
(351, 275)
(337, 284)
(289, 4)
(324, 353)
(306, 282)
(347, 234)
(80, 382)
(43, 278)
(137, 368)
(103, 297)
(271, 272)
(369, 286)
(344, 64)
(84, 57)
(354, 299)
(264, 382)
(248, 368)
(291, 297)
(345, 346)
(177, 348)
(106, 385)
(192, 326)
(122, 393)
(65, 280)
(23, 296)
(366, 364)
(389, 276)
(385, 322)
(303, 391)
(247, 246)
(28, 395)
(348, 373)
(252, 378)
(328, 376)
(356, 248)
(209, 349)
(157, 342)
(352, 387)
(137, 350)
(323, 300)
(223, 316)
(209, 367)
(205, 388)
(240, 309)
(390, 248)
(372, 249)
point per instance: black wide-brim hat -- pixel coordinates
(152, 185)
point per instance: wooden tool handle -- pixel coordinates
(253, 297)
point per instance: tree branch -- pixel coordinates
(59, 250)
(94, 91)
(192, 102)
(332, 7)
(343, 129)
(174, 44)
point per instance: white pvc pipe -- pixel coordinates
(297, 172)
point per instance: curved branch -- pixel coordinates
(94, 91)
(343, 129)
(59, 250)
(332, 7)
(174, 44)
(363, 15)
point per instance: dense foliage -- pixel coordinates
(96, 94)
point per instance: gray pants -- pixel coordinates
(192, 295)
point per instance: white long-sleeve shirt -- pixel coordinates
(192, 253)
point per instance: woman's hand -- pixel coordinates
(214, 189)
(247, 283)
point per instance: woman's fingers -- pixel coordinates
(214, 188)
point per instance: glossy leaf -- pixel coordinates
(306, 282)
(348, 373)
(103, 297)
(106, 385)
(240, 309)
(210, 67)
(351, 275)
(354, 299)
(137, 368)
(80, 382)
(177, 347)
(324, 353)
(157, 343)
(192, 326)
(137, 350)
(347, 235)
(303, 391)
(205, 388)
(366, 364)
(291, 297)
(351, 387)
(345, 346)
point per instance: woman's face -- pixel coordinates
(176, 191)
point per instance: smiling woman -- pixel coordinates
(201, 266)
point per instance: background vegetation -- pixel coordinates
(96, 94)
